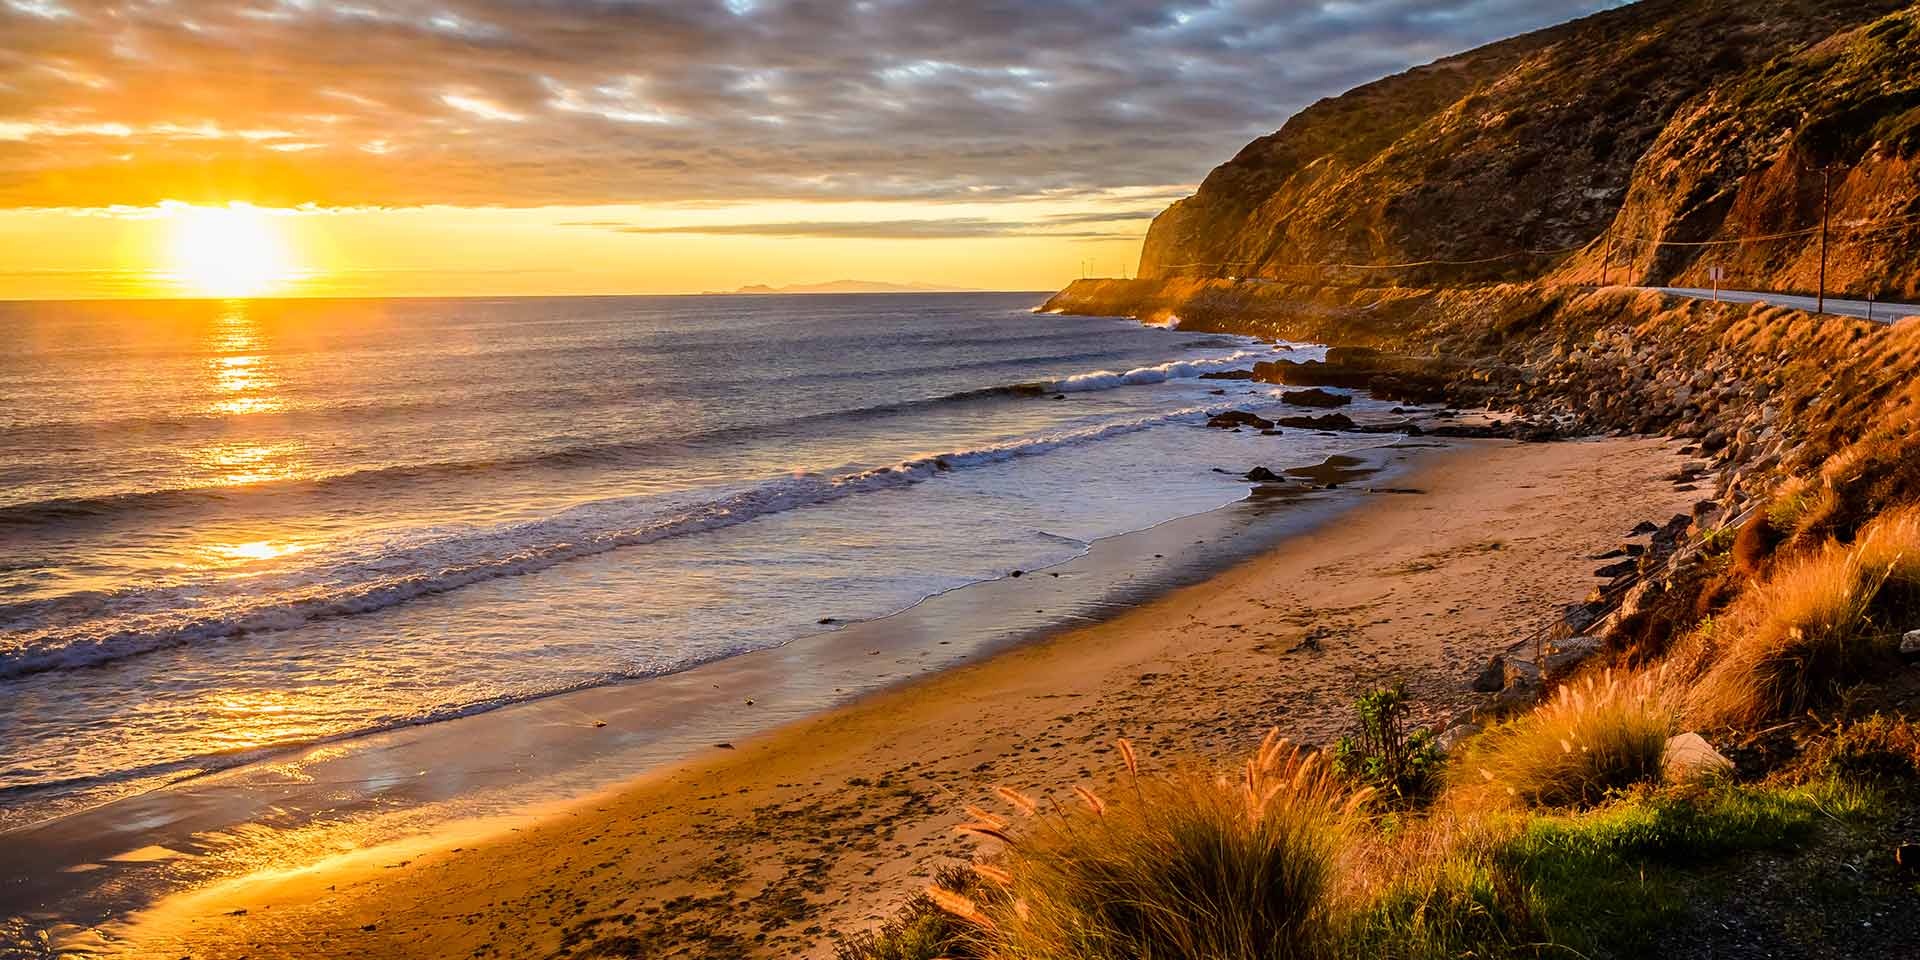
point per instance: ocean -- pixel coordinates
(233, 529)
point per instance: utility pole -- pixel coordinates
(1826, 175)
(1606, 259)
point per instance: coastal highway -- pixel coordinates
(1883, 312)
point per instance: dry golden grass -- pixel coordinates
(1228, 866)
(1819, 620)
(1594, 735)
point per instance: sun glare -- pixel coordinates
(231, 251)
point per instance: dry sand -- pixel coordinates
(788, 841)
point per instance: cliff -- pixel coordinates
(1665, 120)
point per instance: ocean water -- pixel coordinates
(230, 529)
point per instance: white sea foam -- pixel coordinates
(444, 560)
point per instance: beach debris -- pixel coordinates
(749, 700)
(1908, 855)
(723, 745)
(1017, 573)
(1643, 528)
(826, 620)
(599, 723)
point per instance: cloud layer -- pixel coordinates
(538, 102)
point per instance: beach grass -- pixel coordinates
(1597, 734)
(1180, 869)
(1190, 863)
(1818, 621)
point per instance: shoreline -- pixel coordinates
(85, 870)
(822, 824)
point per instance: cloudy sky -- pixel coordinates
(979, 144)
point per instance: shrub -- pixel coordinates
(1875, 750)
(1403, 765)
(1594, 736)
(1187, 865)
(920, 930)
(1817, 622)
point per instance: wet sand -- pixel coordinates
(778, 844)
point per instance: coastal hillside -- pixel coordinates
(1656, 133)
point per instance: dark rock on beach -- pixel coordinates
(1239, 418)
(1315, 397)
(1326, 421)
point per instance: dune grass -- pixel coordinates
(1818, 621)
(1189, 864)
(1281, 858)
(1601, 733)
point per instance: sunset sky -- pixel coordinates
(307, 147)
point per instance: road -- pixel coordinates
(1883, 312)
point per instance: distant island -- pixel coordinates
(847, 286)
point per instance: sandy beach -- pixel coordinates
(780, 844)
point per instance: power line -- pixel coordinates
(1858, 226)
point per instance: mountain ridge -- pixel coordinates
(1569, 152)
(841, 286)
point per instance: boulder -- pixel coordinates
(1227, 375)
(1521, 686)
(1689, 756)
(1451, 738)
(1910, 644)
(1263, 475)
(1239, 418)
(1315, 397)
(1566, 656)
(1493, 676)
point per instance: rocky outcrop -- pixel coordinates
(1235, 419)
(1569, 149)
(1315, 397)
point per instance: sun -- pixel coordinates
(231, 251)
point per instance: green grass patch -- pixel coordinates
(1606, 882)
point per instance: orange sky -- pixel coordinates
(156, 251)
(491, 147)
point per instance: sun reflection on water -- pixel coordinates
(255, 550)
(259, 718)
(242, 378)
(239, 464)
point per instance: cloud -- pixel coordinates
(946, 228)
(537, 102)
